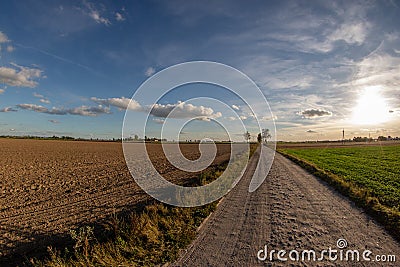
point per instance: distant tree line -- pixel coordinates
(63, 137)
(369, 139)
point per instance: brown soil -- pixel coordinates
(49, 187)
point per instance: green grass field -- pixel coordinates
(375, 168)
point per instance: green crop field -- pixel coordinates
(375, 168)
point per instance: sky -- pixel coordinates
(71, 67)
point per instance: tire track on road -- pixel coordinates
(291, 210)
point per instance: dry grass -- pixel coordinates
(149, 236)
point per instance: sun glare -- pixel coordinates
(371, 107)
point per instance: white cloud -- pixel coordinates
(94, 13)
(8, 109)
(302, 42)
(235, 107)
(33, 107)
(119, 16)
(89, 111)
(351, 33)
(268, 118)
(159, 121)
(289, 81)
(20, 76)
(378, 68)
(121, 103)
(3, 38)
(179, 109)
(45, 101)
(38, 95)
(150, 71)
(10, 48)
(182, 110)
(82, 110)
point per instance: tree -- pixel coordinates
(382, 138)
(265, 135)
(259, 138)
(136, 137)
(247, 136)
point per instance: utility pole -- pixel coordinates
(343, 136)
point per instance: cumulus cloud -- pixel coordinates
(82, 110)
(182, 110)
(34, 107)
(121, 103)
(314, 113)
(20, 76)
(150, 71)
(45, 101)
(8, 109)
(235, 107)
(89, 111)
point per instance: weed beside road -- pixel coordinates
(148, 236)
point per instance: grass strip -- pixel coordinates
(151, 235)
(387, 216)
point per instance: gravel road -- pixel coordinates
(291, 210)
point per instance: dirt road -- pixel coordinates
(292, 210)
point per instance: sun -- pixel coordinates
(371, 107)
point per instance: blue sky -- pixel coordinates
(68, 67)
